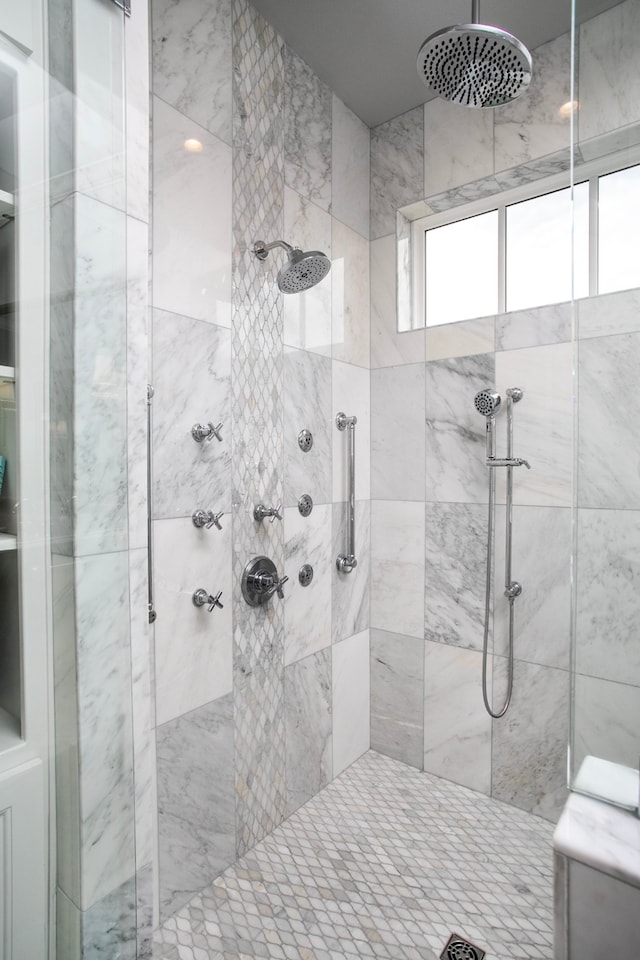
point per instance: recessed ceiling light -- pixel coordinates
(193, 146)
(571, 106)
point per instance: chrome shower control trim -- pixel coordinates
(261, 512)
(200, 432)
(343, 421)
(305, 575)
(305, 505)
(202, 598)
(207, 518)
(260, 581)
(305, 440)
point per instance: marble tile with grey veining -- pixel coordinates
(350, 295)
(144, 910)
(398, 432)
(196, 801)
(397, 566)
(307, 401)
(458, 145)
(519, 176)
(541, 563)
(478, 190)
(608, 578)
(109, 927)
(608, 414)
(137, 112)
(307, 315)
(457, 728)
(307, 703)
(609, 314)
(455, 438)
(191, 379)
(350, 162)
(192, 60)
(530, 742)
(193, 647)
(397, 696)
(461, 339)
(605, 720)
(350, 700)
(107, 827)
(543, 422)
(307, 613)
(389, 347)
(100, 388)
(137, 378)
(532, 328)
(532, 125)
(350, 592)
(455, 572)
(397, 175)
(191, 218)
(307, 131)
(608, 78)
(351, 394)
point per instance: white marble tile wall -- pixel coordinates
(608, 78)
(137, 68)
(307, 315)
(608, 410)
(191, 379)
(307, 614)
(605, 720)
(388, 347)
(351, 394)
(462, 339)
(533, 328)
(609, 314)
(350, 295)
(397, 696)
(603, 914)
(308, 717)
(192, 646)
(350, 168)
(137, 378)
(398, 455)
(307, 400)
(397, 169)
(192, 60)
(457, 729)
(191, 218)
(350, 593)
(350, 689)
(196, 824)
(397, 566)
(307, 136)
(107, 835)
(458, 145)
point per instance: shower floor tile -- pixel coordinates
(386, 862)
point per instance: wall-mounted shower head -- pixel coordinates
(487, 402)
(303, 270)
(474, 64)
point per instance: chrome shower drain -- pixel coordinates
(458, 948)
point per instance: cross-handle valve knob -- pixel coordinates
(260, 581)
(201, 598)
(261, 512)
(200, 432)
(207, 518)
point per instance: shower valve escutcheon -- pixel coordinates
(261, 512)
(260, 581)
(202, 598)
(207, 519)
(201, 432)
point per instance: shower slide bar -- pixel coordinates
(346, 562)
(150, 607)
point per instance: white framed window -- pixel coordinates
(540, 244)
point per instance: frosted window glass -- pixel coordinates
(538, 248)
(461, 270)
(619, 230)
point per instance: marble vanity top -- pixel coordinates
(601, 836)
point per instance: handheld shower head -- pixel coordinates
(303, 270)
(487, 403)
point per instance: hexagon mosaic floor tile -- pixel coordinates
(386, 862)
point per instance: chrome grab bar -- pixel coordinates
(346, 562)
(150, 606)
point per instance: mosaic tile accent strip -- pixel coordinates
(387, 861)
(257, 419)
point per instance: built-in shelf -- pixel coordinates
(7, 542)
(7, 373)
(9, 731)
(7, 204)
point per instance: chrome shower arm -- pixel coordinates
(261, 249)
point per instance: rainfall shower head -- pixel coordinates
(474, 64)
(487, 403)
(302, 271)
